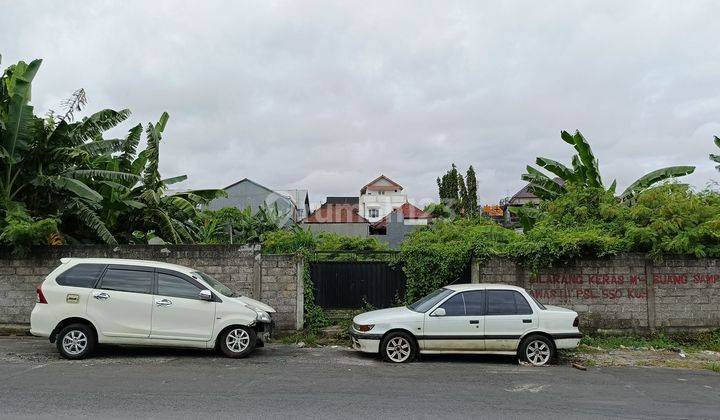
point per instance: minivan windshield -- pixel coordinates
(219, 287)
(424, 304)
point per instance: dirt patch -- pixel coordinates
(597, 356)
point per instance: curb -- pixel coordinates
(14, 329)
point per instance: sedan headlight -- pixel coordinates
(262, 316)
(363, 328)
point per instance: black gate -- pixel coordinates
(346, 285)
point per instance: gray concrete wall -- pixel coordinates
(625, 292)
(361, 230)
(273, 279)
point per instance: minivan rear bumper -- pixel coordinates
(40, 321)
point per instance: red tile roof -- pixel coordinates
(493, 211)
(393, 185)
(336, 213)
(408, 211)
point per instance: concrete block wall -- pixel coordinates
(275, 280)
(625, 292)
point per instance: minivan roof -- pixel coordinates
(123, 261)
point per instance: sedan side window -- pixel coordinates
(523, 307)
(507, 302)
(474, 303)
(455, 306)
(127, 280)
(173, 286)
(501, 302)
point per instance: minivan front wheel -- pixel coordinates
(238, 342)
(76, 341)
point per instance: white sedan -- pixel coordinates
(468, 318)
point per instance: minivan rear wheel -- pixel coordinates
(237, 342)
(76, 341)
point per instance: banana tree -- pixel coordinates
(716, 158)
(173, 217)
(46, 164)
(585, 171)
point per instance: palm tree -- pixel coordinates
(713, 157)
(585, 172)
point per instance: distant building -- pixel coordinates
(300, 200)
(379, 198)
(292, 205)
(396, 226)
(342, 219)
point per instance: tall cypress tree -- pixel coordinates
(471, 202)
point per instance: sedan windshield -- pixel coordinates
(219, 287)
(424, 304)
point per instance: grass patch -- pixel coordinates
(714, 366)
(690, 341)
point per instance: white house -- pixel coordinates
(379, 198)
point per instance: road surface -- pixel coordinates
(282, 381)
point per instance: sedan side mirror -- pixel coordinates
(206, 295)
(438, 312)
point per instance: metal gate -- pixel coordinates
(348, 285)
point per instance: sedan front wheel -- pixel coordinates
(398, 347)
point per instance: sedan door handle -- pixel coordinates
(474, 321)
(163, 302)
(527, 321)
(101, 295)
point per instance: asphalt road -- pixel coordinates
(287, 382)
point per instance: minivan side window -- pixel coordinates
(506, 302)
(173, 286)
(81, 275)
(127, 280)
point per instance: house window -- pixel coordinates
(373, 212)
(381, 192)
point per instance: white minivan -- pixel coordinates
(86, 301)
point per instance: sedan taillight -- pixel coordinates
(576, 323)
(39, 296)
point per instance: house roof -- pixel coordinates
(250, 181)
(343, 200)
(408, 211)
(298, 197)
(493, 210)
(526, 193)
(393, 185)
(336, 213)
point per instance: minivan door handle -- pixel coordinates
(101, 295)
(474, 321)
(527, 321)
(163, 302)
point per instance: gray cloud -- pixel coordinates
(327, 95)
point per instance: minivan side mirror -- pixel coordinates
(206, 295)
(438, 312)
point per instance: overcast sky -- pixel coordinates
(326, 96)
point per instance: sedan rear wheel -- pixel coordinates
(537, 350)
(398, 347)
